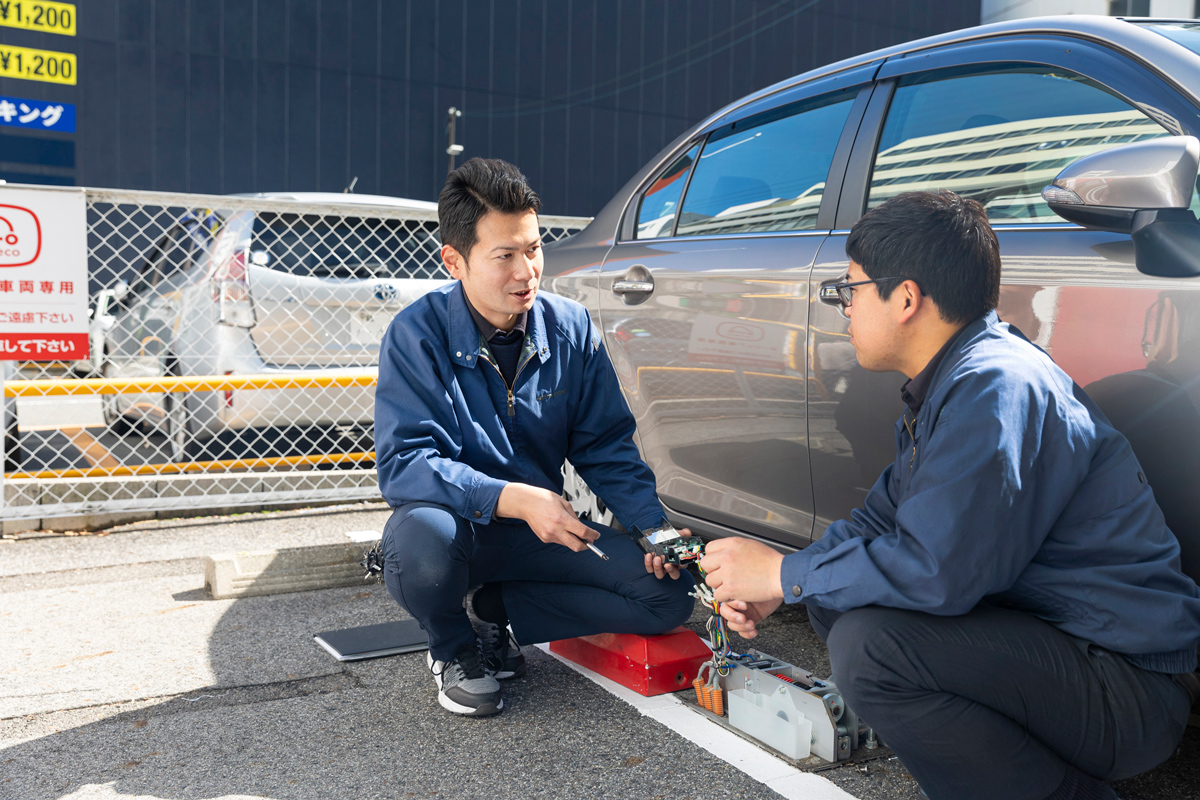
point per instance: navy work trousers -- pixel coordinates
(997, 703)
(432, 557)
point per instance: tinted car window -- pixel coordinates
(999, 137)
(170, 255)
(656, 213)
(348, 247)
(767, 176)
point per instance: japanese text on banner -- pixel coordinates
(21, 112)
(43, 274)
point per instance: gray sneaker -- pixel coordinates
(464, 685)
(501, 655)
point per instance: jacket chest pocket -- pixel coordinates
(551, 407)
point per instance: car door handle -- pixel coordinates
(632, 287)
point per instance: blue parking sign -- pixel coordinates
(41, 115)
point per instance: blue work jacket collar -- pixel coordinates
(463, 337)
(970, 331)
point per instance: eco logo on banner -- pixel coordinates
(43, 275)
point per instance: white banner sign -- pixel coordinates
(43, 274)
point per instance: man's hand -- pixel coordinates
(741, 569)
(550, 516)
(655, 563)
(743, 617)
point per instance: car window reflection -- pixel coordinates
(999, 137)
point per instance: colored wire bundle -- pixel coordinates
(718, 637)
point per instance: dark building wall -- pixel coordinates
(223, 96)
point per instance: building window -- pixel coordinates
(1130, 8)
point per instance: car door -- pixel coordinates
(994, 121)
(704, 308)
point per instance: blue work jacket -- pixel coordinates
(1011, 485)
(448, 430)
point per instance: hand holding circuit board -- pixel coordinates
(667, 550)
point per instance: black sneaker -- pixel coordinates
(465, 686)
(501, 655)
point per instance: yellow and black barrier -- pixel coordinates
(212, 383)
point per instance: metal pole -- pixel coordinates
(452, 149)
(5, 366)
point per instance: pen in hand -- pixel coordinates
(596, 550)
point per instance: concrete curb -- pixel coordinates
(292, 569)
(96, 503)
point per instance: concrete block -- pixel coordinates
(293, 569)
(320, 481)
(20, 495)
(200, 495)
(94, 522)
(200, 485)
(61, 491)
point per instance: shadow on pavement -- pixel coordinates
(266, 712)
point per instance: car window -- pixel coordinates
(165, 254)
(348, 247)
(178, 257)
(177, 253)
(999, 136)
(766, 174)
(656, 212)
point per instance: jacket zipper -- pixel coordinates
(912, 435)
(512, 411)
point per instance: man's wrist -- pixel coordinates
(508, 504)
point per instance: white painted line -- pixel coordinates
(669, 710)
(363, 536)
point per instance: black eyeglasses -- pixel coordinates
(844, 292)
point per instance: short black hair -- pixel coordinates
(940, 240)
(477, 187)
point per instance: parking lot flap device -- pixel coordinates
(43, 274)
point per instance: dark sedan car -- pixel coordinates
(704, 272)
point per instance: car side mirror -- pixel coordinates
(1143, 189)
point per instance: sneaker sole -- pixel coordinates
(508, 675)
(484, 710)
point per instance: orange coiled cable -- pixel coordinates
(710, 698)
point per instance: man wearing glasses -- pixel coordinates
(1007, 608)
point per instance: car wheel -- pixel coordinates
(587, 506)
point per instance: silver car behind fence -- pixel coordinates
(234, 347)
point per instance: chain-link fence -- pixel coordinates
(233, 350)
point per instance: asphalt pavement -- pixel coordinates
(122, 678)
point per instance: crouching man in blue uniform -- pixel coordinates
(485, 388)
(1007, 608)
